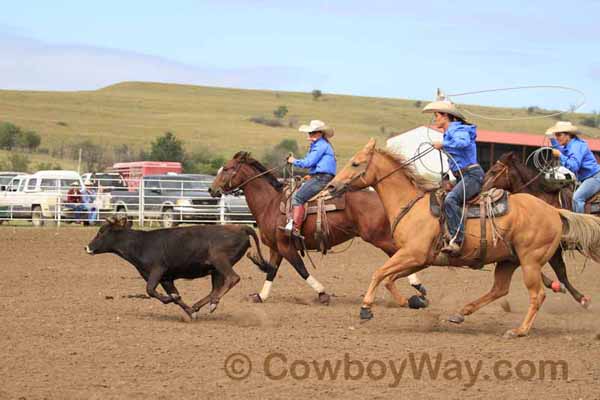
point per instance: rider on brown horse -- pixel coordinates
(459, 142)
(320, 160)
(575, 154)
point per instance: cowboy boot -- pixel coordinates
(453, 248)
(298, 217)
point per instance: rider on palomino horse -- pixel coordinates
(320, 160)
(575, 154)
(459, 142)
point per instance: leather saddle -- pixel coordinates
(497, 197)
(592, 205)
(330, 203)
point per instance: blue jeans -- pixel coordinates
(587, 189)
(308, 189)
(470, 186)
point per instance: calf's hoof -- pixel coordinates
(255, 298)
(416, 302)
(456, 319)
(212, 307)
(513, 333)
(586, 302)
(366, 314)
(324, 298)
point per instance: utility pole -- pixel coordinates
(79, 162)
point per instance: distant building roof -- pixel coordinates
(520, 138)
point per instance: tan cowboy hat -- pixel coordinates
(563, 127)
(317, 126)
(443, 106)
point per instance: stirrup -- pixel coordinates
(288, 228)
(452, 248)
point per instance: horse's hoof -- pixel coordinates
(511, 334)
(416, 302)
(558, 287)
(212, 307)
(324, 298)
(421, 289)
(586, 302)
(366, 314)
(456, 319)
(255, 298)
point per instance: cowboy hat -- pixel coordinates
(443, 106)
(317, 126)
(563, 127)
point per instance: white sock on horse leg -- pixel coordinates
(315, 284)
(266, 290)
(413, 279)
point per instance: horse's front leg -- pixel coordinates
(402, 263)
(275, 260)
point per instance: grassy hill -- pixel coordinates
(135, 113)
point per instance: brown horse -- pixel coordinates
(363, 216)
(511, 174)
(531, 232)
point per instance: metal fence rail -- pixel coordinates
(163, 200)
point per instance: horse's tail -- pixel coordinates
(264, 265)
(584, 230)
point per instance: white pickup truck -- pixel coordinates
(38, 196)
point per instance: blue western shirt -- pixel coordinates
(577, 157)
(320, 158)
(459, 142)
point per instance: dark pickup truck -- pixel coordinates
(170, 199)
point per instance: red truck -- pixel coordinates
(133, 172)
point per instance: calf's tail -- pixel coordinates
(264, 265)
(584, 230)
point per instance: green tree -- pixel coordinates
(47, 166)
(277, 155)
(316, 94)
(167, 148)
(280, 112)
(9, 136)
(30, 140)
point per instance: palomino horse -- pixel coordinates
(531, 232)
(511, 174)
(363, 216)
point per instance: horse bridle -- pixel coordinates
(241, 185)
(505, 170)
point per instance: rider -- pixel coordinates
(459, 143)
(575, 154)
(320, 160)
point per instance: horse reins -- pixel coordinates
(241, 185)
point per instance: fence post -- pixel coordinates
(141, 202)
(222, 210)
(59, 211)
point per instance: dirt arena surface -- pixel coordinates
(74, 326)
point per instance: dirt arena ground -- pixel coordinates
(74, 326)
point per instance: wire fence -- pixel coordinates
(165, 200)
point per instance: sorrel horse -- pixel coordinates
(511, 174)
(531, 232)
(363, 216)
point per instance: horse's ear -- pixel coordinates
(371, 145)
(242, 156)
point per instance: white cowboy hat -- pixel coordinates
(317, 126)
(443, 106)
(563, 127)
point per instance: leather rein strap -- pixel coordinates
(405, 211)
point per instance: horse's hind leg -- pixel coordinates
(502, 277)
(292, 256)
(558, 265)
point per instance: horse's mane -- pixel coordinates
(411, 173)
(244, 157)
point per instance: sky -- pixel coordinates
(370, 48)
